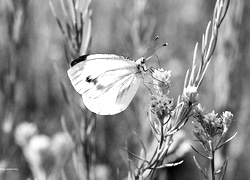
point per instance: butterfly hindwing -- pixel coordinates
(106, 82)
(114, 99)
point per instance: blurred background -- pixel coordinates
(34, 83)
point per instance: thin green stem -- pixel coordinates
(212, 166)
(162, 134)
(212, 160)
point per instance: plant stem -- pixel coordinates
(212, 160)
(212, 166)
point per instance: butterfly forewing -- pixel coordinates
(106, 82)
(90, 67)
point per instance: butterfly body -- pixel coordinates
(106, 82)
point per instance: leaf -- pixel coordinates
(207, 157)
(86, 33)
(199, 167)
(222, 167)
(64, 126)
(169, 165)
(224, 172)
(185, 81)
(143, 147)
(218, 147)
(155, 131)
(133, 154)
(65, 95)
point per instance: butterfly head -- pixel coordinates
(141, 64)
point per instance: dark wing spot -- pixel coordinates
(100, 87)
(94, 81)
(90, 80)
(78, 60)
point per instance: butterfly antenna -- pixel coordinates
(151, 45)
(160, 46)
(154, 49)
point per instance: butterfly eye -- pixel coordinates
(144, 67)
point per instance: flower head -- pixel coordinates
(210, 118)
(190, 95)
(212, 123)
(161, 106)
(161, 80)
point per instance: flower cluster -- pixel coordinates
(211, 125)
(45, 155)
(167, 121)
(210, 132)
(163, 125)
(172, 118)
(161, 106)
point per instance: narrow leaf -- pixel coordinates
(207, 157)
(186, 80)
(169, 165)
(199, 167)
(224, 171)
(133, 154)
(143, 147)
(226, 141)
(222, 167)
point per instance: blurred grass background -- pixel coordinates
(32, 45)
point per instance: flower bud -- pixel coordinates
(190, 95)
(227, 118)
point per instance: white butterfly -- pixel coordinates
(107, 82)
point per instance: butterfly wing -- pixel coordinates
(106, 82)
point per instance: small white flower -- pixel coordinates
(161, 75)
(190, 90)
(190, 94)
(62, 147)
(37, 153)
(161, 80)
(24, 132)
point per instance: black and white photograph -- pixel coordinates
(124, 90)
